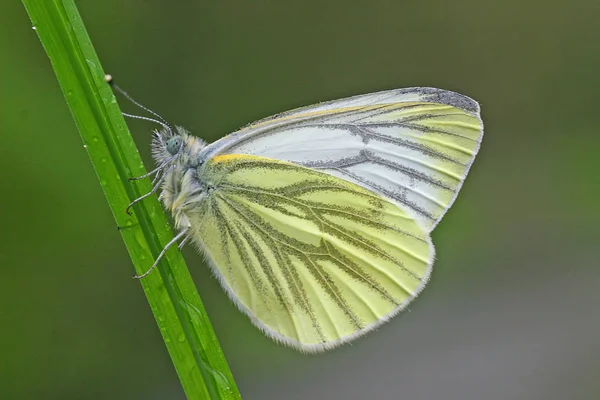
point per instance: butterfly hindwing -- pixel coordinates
(313, 259)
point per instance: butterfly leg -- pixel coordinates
(183, 242)
(154, 171)
(163, 252)
(150, 193)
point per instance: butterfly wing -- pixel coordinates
(313, 259)
(413, 146)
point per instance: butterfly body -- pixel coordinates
(317, 221)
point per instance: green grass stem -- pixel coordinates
(179, 313)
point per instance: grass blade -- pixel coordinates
(179, 313)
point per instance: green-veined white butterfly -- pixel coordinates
(317, 221)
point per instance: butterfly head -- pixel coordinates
(172, 145)
(168, 144)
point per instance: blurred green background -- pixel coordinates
(512, 308)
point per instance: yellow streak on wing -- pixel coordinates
(225, 158)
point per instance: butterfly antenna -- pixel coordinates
(160, 121)
(165, 125)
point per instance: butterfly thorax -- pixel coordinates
(182, 189)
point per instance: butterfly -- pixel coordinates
(317, 221)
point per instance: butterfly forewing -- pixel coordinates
(413, 146)
(313, 259)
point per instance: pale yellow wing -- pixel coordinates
(314, 260)
(414, 146)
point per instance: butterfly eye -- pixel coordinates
(174, 145)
